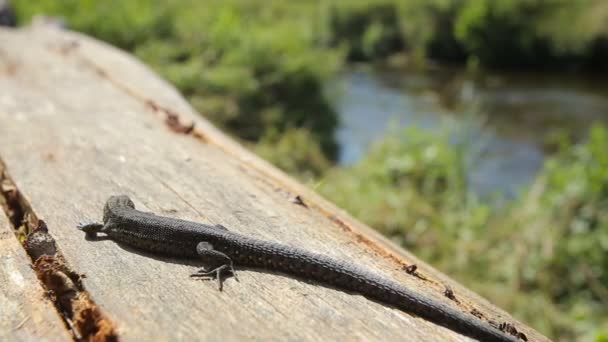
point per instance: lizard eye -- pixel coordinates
(123, 201)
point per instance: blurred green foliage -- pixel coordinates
(533, 33)
(368, 29)
(258, 70)
(287, 153)
(406, 168)
(543, 257)
(123, 23)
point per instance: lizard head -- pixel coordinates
(116, 202)
(112, 204)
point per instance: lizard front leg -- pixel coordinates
(217, 262)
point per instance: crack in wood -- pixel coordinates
(63, 286)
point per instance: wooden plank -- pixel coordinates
(80, 121)
(26, 314)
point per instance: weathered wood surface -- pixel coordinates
(26, 314)
(80, 121)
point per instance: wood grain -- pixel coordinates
(80, 121)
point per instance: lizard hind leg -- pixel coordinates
(217, 263)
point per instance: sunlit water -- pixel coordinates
(519, 111)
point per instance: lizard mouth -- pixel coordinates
(90, 228)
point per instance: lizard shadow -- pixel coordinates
(163, 258)
(201, 263)
(194, 262)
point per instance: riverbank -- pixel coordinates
(513, 118)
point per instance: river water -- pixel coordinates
(519, 113)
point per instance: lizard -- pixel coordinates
(221, 249)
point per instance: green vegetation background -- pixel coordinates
(258, 70)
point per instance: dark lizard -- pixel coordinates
(221, 249)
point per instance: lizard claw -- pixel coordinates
(215, 273)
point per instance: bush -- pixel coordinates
(369, 30)
(566, 239)
(544, 257)
(297, 152)
(125, 24)
(531, 33)
(415, 191)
